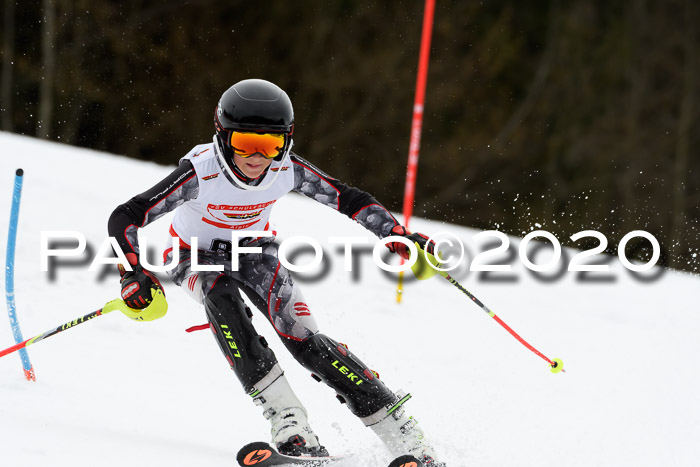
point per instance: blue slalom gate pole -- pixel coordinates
(10, 275)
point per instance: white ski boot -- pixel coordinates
(291, 433)
(400, 433)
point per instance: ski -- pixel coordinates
(406, 461)
(261, 454)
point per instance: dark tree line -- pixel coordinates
(556, 115)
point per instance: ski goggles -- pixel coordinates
(268, 145)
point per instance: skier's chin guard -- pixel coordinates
(155, 310)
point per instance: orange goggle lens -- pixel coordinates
(268, 145)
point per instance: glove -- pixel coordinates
(425, 266)
(402, 250)
(137, 284)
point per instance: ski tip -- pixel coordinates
(254, 453)
(557, 365)
(261, 454)
(19, 172)
(406, 461)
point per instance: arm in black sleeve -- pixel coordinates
(180, 186)
(351, 201)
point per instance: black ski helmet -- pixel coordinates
(253, 105)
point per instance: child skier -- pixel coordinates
(232, 184)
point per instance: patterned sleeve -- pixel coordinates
(180, 186)
(353, 202)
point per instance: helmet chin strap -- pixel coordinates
(233, 177)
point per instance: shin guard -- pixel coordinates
(335, 365)
(230, 321)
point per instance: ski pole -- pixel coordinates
(556, 364)
(117, 304)
(158, 308)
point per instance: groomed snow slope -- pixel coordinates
(113, 392)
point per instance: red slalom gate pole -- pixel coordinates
(417, 123)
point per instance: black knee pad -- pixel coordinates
(335, 365)
(246, 351)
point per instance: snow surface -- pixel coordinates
(113, 392)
